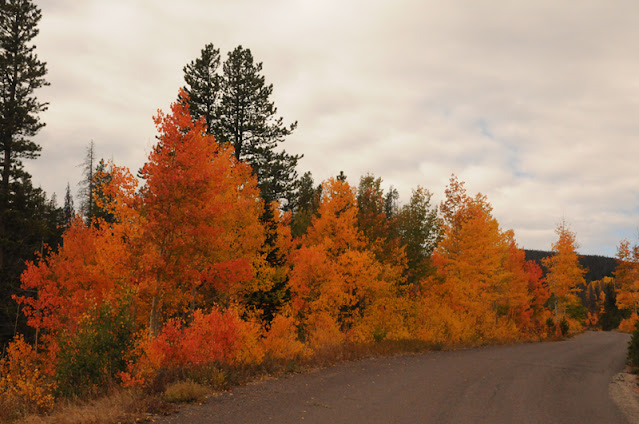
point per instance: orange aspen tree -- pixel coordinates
(200, 209)
(479, 270)
(627, 276)
(334, 279)
(564, 271)
(539, 295)
(514, 296)
(92, 265)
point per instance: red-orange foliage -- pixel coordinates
(539, 295)
(190, 236)
(201, 211)
(90, 267)
(209, 337)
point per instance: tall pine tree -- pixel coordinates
(203, 86)
(306, 204)
(68, 208)
(237, 108)
(28, 220)
(21, 73)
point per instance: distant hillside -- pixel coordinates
(597, 266)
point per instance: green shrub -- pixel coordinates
(550, 325)
(90, 358)
(633, 348)
(564, 327)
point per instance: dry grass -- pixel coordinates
(186, 391)
(122, 406)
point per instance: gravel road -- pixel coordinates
(558, 382)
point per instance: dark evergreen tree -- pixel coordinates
(21, 74)
(612, 315)
(306, 205)
(28, 220)
(247, 119)
(102, 176)
(33, 223)
(203, 86)
(391, 203)
(419, 230)
(237, 108)
(68, 208)
(371, 218)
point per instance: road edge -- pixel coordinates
(624, 392)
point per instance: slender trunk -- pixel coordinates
(4, 198)
(15, 327)
(154, 322)
(193, 292)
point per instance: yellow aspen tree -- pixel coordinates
(565, 273)
(627, 276)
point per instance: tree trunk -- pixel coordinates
(4, 199)
(154, 321)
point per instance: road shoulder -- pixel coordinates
(625, 393)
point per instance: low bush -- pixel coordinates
(633, 348)
(90, 359)
(185, 391)
(25, 386)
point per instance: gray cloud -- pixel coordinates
(531, 103)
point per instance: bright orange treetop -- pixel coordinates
(201, 211)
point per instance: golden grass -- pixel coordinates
(186, 391)
(121, 406)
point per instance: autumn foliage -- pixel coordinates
(564, 272)
(627, 279)
(182, 275)
(481, 278)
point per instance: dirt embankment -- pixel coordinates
(625, 393)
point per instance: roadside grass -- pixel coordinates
(186, 392)
(120, 406)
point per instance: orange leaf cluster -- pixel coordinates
(209, 337)
(627, 276)
(23, 378)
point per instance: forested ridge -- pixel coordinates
(218, 256)
(597, 267)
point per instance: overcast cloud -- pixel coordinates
(535, 104)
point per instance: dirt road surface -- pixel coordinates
(557, 382)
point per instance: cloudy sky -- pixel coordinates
(535, 104)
